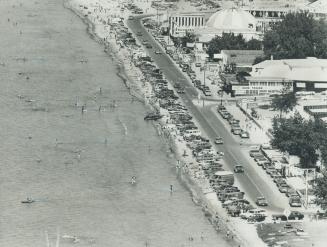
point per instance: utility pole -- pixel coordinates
(306, 171)
(204, 81)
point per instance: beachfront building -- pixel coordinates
(180, 24)
(271, 76)
(231, 20)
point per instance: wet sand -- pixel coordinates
(77, 166)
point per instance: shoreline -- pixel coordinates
(197, 193)
(113, 53)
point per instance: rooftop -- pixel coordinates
(242, 57)
(232, 19)
(308, 69)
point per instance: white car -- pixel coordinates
(158, 52)
(219, 140)
(252, 212)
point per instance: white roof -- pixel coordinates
(232, 20)
(309, 69)
(319, 6)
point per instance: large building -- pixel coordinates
(231, 20)
(271, 76)
(180, 24)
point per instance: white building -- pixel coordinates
(180, 24)
(271, 76)
(318, 9)
(231, 20)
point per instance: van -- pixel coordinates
(252, 212)
(223, 176)
(192, 132)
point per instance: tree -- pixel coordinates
(254, 44)
(182, 41)
(297, 137)
(188, 38)
(284, 102)
(299, 35)
(320, 190)
(228, 41)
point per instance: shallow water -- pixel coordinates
(78, 166)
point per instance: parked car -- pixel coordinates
(251, 212)
(291, 192)
(295, 201)
(279, 181)
(158, 52)
(294, 215)
(236, 131)
(238, 169)
(255, 152)
(261, 201)
(262, 162)
(207, 93)
(270, 170)
(260, 158)
(244, 134)
(256, 218)
(283, 188)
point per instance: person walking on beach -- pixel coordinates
(228, 234)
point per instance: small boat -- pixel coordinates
(153, 116)
(28, 200)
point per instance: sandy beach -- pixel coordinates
(77, 164)
(244, 234)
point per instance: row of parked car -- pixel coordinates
(133, 8)
(269, 166)
(233, 122)
(207, 159)
(185, 67)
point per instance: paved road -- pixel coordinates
(251, 182)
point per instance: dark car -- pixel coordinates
(238, 169)
(148, 46)
(294, 215)
(261, 201)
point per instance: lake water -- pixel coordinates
(78, 166)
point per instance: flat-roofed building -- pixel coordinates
(240, 58)
(271, 76)
(180, 24)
